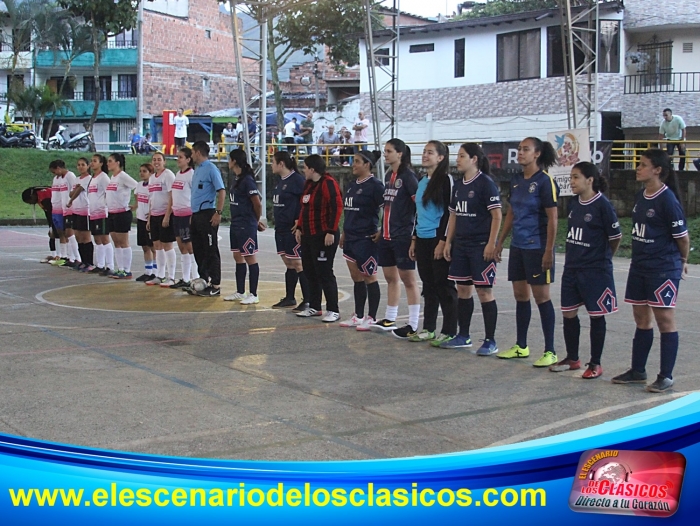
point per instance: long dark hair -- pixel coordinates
(668, 176)
(590, 171)
(548, 156)
(119, 157)
(316, 163)
(405, 152)
(103, 162)
(289, 162)
(434, 191)
(188, 154)
(241, 159)
(474, 150)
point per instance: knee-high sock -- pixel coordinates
(88, 253)
(373, 295)
(127, 255)
(119, 258)
(669, 350)
(52, 246)
(171, 262)
(304, 285)
(254, 278)
(186, 267)
(523, 311)
(598, 327)
(414, 316)
(241, 270)
(194, 273)
(465, 310)
(160, 262)
(547, 318)
(360, 293)
(63, 250)
(73, 246)
(490, 312)
(641, 345)
(109, 256)
(572, 333)
(81, 251)
(290, 282)
(100, 252)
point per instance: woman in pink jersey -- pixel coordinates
(119, 219)
(162, 233)
(180, 204)
(97, 205)
(142, 207)
(69, 180)
(78, 203)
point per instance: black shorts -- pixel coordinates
(68, 221)
(287, 243)
(394, 253)
(180, 142)
(526, 265)
(164, 234)
(469, 268)
(98, 227)
(658, 289)
(80, 223)
(119, 223)
(143, 237)
(181, 226)
(593, 288)
(364, 253)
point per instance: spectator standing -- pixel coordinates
(673, 130)
(331, 138)
(306, 132)
(290, 130)
(360, 128)
(181, 123)
(347, 149)
(230, 136)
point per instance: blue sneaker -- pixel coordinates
(487, 348)
(458, 342)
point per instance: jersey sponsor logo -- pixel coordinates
(252, 192)
(575, 233)
(638, 230)
(178, 185)
(92, 189)
(677, 223)
(112, 187)
(306, 198)
(616, 225)
(348, 204)
(461, 206)
(275, 199)
(494, 198)
(398, 183)
(651, 212)
(587, 218)
(533, 188)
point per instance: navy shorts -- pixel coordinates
(468, 266)
(655, 290)
(244, 239)
(79, 223)
(57, 220)
(592, 288)
(287, 244)
(526, 265)
(98, 227)
(120, 223)
(394, 253)
(181, 226)
(164, 234)
(364, 253)
(68, 221)
(143, 236)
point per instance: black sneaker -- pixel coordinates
(108, 272)
(96, 270)
(285, 303)
(404, 332)
(301, 307)
(630, 377)
(182, 284)
(385, 325)
(660, 385)
(144, 277)
(209, 292)
(71, 264)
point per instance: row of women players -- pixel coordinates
(454, 233)
(97, 202)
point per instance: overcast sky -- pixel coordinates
(427, 7)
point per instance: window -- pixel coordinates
(15, 83)
(126, 38)
(65, 89)
(89, 91)
(21, 40)
(382, 61)
(657, 68)
(687, 47)
(555, 53)
(609, 47)
(518, 55)
(127, 87)
(207, 33)
(421, 48)
(459, 57)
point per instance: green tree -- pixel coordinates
(506, 7)
(35, 102)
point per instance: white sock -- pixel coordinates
(109, 256)
(73, 246)
(63, 250)
(391, 312)
(118, 257)
(160, 262)
(53, 253)
(186, 267)
(194, 272)
(127, 255)
(148, 265)
(100, 256)
(413, 315)
(171, 262)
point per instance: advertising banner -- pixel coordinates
(572, 147)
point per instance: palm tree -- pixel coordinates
(36, 102)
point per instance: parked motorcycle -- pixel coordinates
(23, 139)
(76, 141)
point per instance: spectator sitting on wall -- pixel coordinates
(329, 137)
(673, 130)
(135, 139)
(144, 146)
(347, 150)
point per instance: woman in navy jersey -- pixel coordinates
(591, 241)
(660, 245)
(427, 248)
(399, 219)
(475, 218)
(246, 208)
(532, 216)
(285, 205)
(364, 198)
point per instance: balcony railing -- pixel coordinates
(662, 83)
(122, 43)
(114, 95)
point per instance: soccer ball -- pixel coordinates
(198, 285)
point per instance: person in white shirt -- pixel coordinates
(361, 128)
(78, 203)
(119, 219)
(290, 130)
(63, 182)
(97, 206)
(181, 123)
(143, 237)
(673, 130)
(158, 224)
(181, 205)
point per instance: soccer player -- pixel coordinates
(180, 203)
(532, 216)
(660, 246)
(97, 204)
(159, 222)
(119, 219)
(364, 198)
(63, 181)
(143, 236)
(475, 218)
(592, 240)
(78, 203)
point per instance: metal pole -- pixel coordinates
(139, 78)
(263, 112)
(238, 52)
(318, 100)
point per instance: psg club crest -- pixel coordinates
(470, 194)
(587, 218)
(359, 191)
(284, 187)
(533, 188)
(651, 212)
(398, 183)
(618, 482)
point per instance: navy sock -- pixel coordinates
(669, 350)
(304, 284)
(241, 269)
(490, 311)
(360, 293)
(254, 277)
(465, 309)
(572, 333)
(598, 327)
(641, 345)
(290, 281)
(52, 244)
(547, 319)
(523, 311)
(373, 294)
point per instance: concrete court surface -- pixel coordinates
(118, 365)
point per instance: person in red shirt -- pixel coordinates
(40, 195)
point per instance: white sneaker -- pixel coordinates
(330, 317)
(366, 324)
(308, 313)
(354, 321)
(250, 300)
(153, 282)
(166, 283)
(235, 297)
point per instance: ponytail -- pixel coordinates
(286, 159)
(405, 152)
(103, 162)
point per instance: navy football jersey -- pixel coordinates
(242, 213)
(529, 199)
(592, 224)
(657, 220)
(285, 200)
(472, 202)
(362, 202)
(399, 204)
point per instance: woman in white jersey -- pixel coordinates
(97, 205)
(78, 203)
(180, 203)
(59, 187)
(143, 238)
(158, 224)
(74, 258)
(119, 219)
